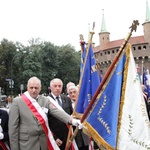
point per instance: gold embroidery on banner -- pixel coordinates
(93, 69)
(89, 97)
(118, 73)
(136, 79)
(144, 113)
(131, 121)
(136, 141)
(101, 119)
(127, 52)
(102, 144)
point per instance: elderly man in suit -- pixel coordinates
(67, 87)
(59, 128)
(28, 125)
(4, 137)
(81, 138)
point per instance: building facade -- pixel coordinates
(106, 51)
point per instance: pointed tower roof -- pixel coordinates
(103, 25)
(147, 12)
(89, 35)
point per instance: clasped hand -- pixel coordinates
(77, 123)
(1, 136)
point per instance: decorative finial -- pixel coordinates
(103, 11)
(89, 27)
(93, 26)
(134, 25)
(81, 37)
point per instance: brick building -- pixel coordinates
(106, 51)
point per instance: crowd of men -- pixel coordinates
(41, 122)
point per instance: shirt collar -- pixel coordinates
(54, 96)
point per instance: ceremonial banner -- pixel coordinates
(146, 83)
(118, 118)
(134, 125)
(89, 82)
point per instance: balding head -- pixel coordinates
(34, 87)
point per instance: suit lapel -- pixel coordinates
(63, 100)
(51, 96)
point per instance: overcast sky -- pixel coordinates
(62, 21)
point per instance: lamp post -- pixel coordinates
(12, 82)
(11, 71)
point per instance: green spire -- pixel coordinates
(147, 13)
(103, 26)
(89, 35)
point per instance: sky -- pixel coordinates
(62, 21)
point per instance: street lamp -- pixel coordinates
(11, 71)
(12, 82)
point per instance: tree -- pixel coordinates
(69, 64)
(42, 59)
(50, 62)
(32, 65)
(7, 51)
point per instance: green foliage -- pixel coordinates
(7, 51)
(49, 61)
(69, 65)
(42, 59)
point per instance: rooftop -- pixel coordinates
(117, 43)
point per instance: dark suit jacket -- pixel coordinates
(58, 128)
(4, 123)
(82, 139)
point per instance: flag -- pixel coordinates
(89, 82)
(83, 55)
(103, 118)
(139, 74)
(118, 118)
(134, 124)
(145, 82)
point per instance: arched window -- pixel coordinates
(134, 48)
(146, 58)
(144, 47)
(139, 47)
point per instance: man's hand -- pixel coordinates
(77, 122)
(59, 142)
(1, 136)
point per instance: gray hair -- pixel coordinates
(55, 80)
(72, 87)
(34, 79)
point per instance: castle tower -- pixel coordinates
(103, 35)
(146, 24)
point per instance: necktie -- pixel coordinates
(59, 102)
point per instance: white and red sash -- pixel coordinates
(42, 118)
(55, 104)
(4, 145)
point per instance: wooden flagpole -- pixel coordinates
(133, 28)
(87, 53)
(69, 140)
